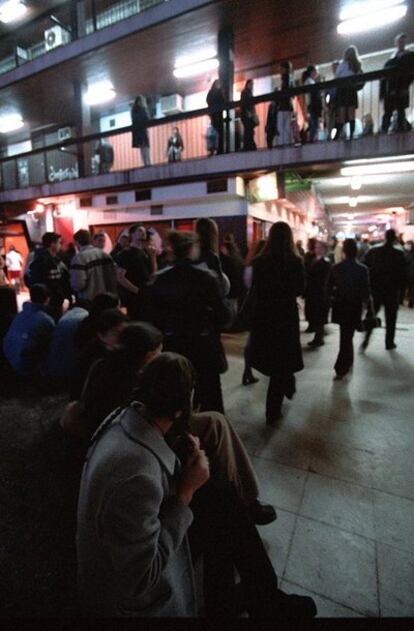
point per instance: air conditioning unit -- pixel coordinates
(56, 36)
(172, 104)
(64, 133)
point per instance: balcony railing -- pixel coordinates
(60, 26)
(112, 151)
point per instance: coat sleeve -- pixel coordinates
(141, 532)
(78, 275)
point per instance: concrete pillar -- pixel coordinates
(83, 127)
(78, 18)
(226, 76)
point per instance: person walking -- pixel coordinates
(313, 102)
(285, 106)
(316, 293)
(409, 256)
(92, 271)
(14, 264)
(348, 285)
(274, 349)
(248, 116)
(140, 118)
(216, 102)
(185, 303)
(347, 96)
(395, 90)
(388, 270)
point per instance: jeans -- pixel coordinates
(284, 126)
(145, 155)
(313, 128)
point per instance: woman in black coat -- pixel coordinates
(248, 116)
(275, 350)
(140, 118)
(216, 103)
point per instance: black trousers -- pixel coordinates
(208, 395)
(218, 124)
(391, 304)
(278, 388)
(248, 135)
(345, 357)
(223, 534)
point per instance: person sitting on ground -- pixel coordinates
(108, 327)
(136, 505)
(110, 385)
(61, 359)
(175, 146)
(92, 271)
(26, 343)
(86, 330)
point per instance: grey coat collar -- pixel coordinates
(139, 430)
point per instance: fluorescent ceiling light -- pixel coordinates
(200, 55)
(378, 169)
(356, 183)
(10, 122)
(377, 160)
(356, 9)
(12, 10)
(196, 69)
(353, 202)
(100, 92)
(372, 21)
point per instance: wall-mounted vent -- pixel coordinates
(217, 186)
(85, 202)
(111, 199)
(157, 209)
(112, 122)
(143, 195)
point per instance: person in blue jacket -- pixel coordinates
(27, 341)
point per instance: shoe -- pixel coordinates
(249, 379)
(309, 330)
(294, 606)
(390, 347)
(363, 346)
(271, 421)
(261, 514)
(315, 343)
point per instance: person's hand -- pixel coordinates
(195, 472)
(152, 251)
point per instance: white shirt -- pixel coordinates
(14, 261)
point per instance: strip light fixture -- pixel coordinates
(12, 10)
(367, 16)
(10, 123)
(378, 169)
(196, 63)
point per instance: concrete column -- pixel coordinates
(226, 76)
(78, 18)
(83, 127)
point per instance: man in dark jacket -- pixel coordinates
(184, 302)
(216, 102)
(317, 302)
(387, 267)
(349, 287)
(394, 90)
(48, 269)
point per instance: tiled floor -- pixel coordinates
(339, 468)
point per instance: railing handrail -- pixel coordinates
(172, 118)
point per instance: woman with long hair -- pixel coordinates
(347, 97)
(275, 350)
(248, 116)
(208, 236)
(140, 118)
(313, 102)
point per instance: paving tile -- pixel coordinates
(277, 537)
(326, 608)
(286, 446)
(394, 520)
(393, 470)
(280, 485)
(347, 506)
(351, 464)
(335, 564)
(396, 581)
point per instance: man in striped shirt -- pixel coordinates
(92, 271)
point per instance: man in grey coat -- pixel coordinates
(133, 513)
(92, 271)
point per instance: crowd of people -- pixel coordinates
(326, 112)
(135, 339)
